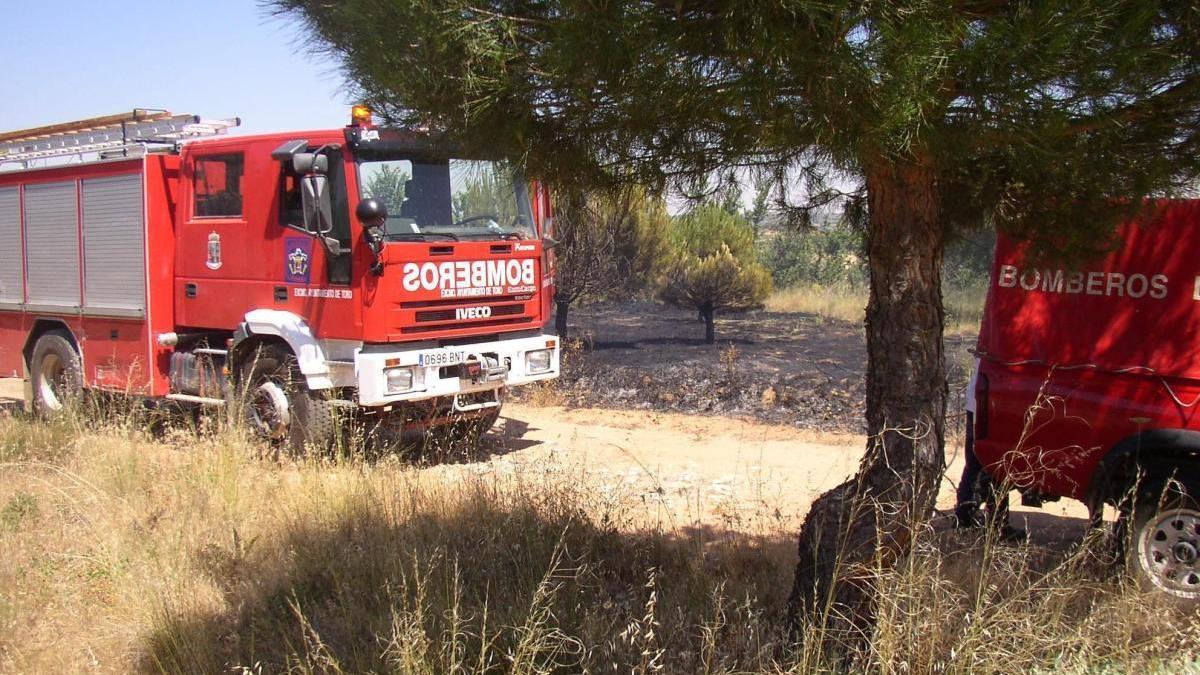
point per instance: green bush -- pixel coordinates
(836, 256)
(822, 257)
(713, 266)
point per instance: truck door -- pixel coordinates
(317, 269)
(213, 263)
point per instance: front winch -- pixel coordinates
(482, 368)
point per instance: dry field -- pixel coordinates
(575, 541)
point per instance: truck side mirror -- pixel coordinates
(318, 210)
(308, 163)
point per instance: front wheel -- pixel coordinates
(280, 408)
(1165, 546)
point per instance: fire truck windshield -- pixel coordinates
(455, 199)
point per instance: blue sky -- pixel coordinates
(64, 60)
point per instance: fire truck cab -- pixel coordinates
(303, 275)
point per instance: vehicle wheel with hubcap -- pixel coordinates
(1165, 547)
(278, 405)
(56, 373)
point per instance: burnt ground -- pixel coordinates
(785, 368)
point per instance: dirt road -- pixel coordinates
(740, 475)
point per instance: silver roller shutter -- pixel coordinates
(52, 244)
(113, 246)
(12, 263)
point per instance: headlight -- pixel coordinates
(399, 380)
(537, 361)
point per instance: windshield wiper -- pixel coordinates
(496, 235)
(421, 236)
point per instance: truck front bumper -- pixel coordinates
(387, 377)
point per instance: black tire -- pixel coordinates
(1163, 549)
(56, 373)
(273, 370)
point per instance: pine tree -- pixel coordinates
(1050, 120)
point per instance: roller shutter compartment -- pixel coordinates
(52, 244)
(12, 259)
(114, 246)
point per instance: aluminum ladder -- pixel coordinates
(125, 134)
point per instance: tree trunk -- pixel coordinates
(710, 326)
(560, 318)
(867, 523)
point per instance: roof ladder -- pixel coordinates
(128, 133)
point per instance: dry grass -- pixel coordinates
(122, 550)
(964, 306)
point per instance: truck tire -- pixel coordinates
(56, 373)
(1164, 547)
(280, 408)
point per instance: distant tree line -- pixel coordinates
(834, 254)
(625, 245)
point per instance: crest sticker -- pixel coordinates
(297, 260)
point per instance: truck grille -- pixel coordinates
(495, 311)
(450, 315)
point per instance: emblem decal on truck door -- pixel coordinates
(214, 251)
(297, 255)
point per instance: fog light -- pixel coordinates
(537, 361)
(399, 380)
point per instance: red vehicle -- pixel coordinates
(360, 270)
(1089, 386)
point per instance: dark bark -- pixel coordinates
(560, 318)
(710, 326)
(868, 523)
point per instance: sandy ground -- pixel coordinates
(735, 474)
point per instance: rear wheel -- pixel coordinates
(1164, 551)
(280, 408)
(56, 373)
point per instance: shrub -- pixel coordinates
(609, 246)
(713, 266)
(823, 257)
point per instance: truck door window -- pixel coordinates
(217, 186)
(291, 212)
(291, 206)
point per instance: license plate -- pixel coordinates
(440, 358)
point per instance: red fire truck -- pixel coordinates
(362, 270)
(1089, 386)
